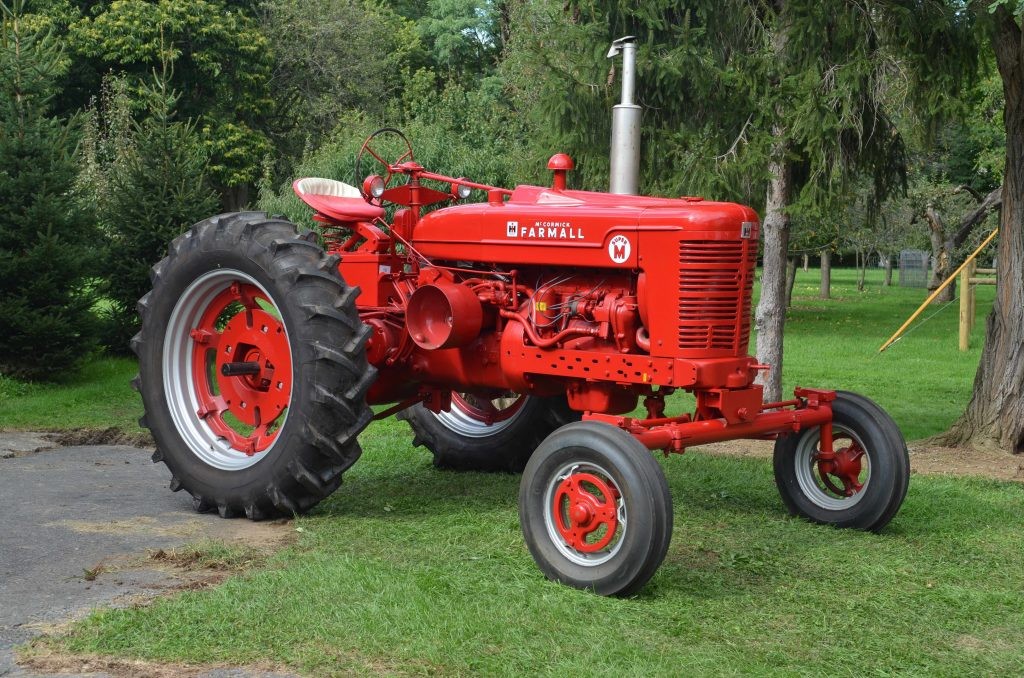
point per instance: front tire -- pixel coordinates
(595, 509)
(252, 367)
(866, 484)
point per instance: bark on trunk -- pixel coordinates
(790, 280)
(807, 262)
(771, 308)
(862, 267)
(996, 411)
(826, 275)
(888, 270)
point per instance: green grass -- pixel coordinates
(923, 380)
(410, 570)
(407, 569)
(100, 396)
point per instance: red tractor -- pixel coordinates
(516, 333)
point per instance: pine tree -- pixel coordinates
(777, 104)
(156, 189)
(46, 255)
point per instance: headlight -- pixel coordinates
(374, 186)
(461, 192)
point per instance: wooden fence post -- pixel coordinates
(967, 291)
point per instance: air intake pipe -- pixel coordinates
(625, 154)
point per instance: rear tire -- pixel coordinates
(462, 439)
(268, 444)
(595, 509)
(869, 490)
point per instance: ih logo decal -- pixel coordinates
(619, 248)
(512, 229)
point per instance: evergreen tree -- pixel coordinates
(156, 188)
(777, 104)
(45, 248)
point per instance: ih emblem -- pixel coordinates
(512, 229)
(618, 249)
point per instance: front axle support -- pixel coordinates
(674, 434)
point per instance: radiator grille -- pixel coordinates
(715, 283)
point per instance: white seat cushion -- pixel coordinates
(317, 186)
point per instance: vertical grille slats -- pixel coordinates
(716, 278)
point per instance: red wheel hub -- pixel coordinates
(844, 465)
(241, 365)
(583, 504)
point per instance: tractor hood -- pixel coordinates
(542, 226)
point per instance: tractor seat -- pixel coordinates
(336, 199)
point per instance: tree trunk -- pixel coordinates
(790, 280)
(996, 411)
(234, 198)
(826, 274)
(942, 250)
(888, 270)
(943, 246)
(770, 318)
(862, 267)
(807, 262)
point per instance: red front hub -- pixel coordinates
(584, 504)
(844, 465)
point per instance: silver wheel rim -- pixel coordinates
(179, 388)
(579, 557)
(463, 422)
(810, 483)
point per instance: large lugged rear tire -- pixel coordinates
(252, 367)
(866, 484)
(482, 434)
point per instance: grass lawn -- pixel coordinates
(410, 570)
(100, 396)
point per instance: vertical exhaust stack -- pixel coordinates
(624, 176)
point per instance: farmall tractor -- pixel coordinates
(516, 333)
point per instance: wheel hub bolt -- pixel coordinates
(581, 514)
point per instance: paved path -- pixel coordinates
(68, 510)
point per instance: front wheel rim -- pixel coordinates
(585, 514)
(225, 321)
(827, 485)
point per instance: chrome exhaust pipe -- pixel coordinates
(624, 177)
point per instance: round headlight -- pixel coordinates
(461, 192)
(374, 186)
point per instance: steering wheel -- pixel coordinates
(368, 149)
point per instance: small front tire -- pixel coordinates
(865, 485)
(595, 509)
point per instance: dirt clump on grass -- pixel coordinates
(101, 436)
(43, 658)
(926, 458)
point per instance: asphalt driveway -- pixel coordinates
(77, 525)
